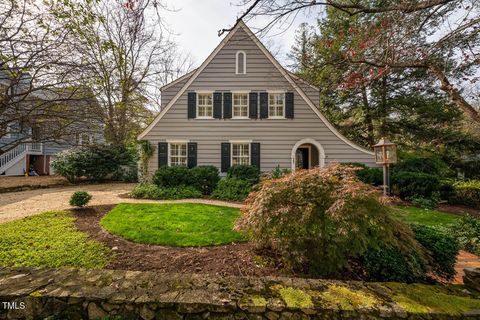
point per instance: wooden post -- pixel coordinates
(27, 165)
(385, 177)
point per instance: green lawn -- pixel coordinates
(182, 225)
(49, 240)
(424, 216)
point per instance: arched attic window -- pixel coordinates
(241, 62)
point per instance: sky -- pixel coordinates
(195, 23)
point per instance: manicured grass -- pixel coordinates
(181, 224)
(49, 240)
(424, 216)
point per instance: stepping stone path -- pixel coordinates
(465, 260)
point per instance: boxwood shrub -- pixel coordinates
(205, 178)
(392, 263)
(202, 178)
(96, 162)
(168, 177)
(466, 193)
(232, 189)
(467, 232)
(415, 184)
(442, 248)
(248, 173)
(446, 190)
(429, 164)
(152, 191)
(373, 176)
(80, 198)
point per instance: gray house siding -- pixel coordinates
(312, 93)
(276, 137)
(6, 140)
(171, 91)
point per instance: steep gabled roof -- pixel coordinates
(294, 76)
(287, 75)
(185, 76)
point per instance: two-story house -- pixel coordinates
(242, 107)
(31, 142)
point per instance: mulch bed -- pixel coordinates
(460, 210)
(225, 260)
(235, 259)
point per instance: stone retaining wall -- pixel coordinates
(27, 293)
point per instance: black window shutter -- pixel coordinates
(253, 105)
(255, 154)
(192, 105)
(162, 154)
(192, 154)
(225, 156)
(263, 105)
(217, 105)
(289, 109)
(227, 105)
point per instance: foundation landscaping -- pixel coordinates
(319, 243)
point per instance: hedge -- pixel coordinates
(202, 178)
(415, 184)
(466, 193)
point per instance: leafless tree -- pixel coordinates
(128, 56)
(441, 36)
(172, 66)
(40, 96)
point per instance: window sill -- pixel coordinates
(240, 118)
(205, 118)
(276, 118)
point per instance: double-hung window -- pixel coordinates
(178, 154)
(276, 105)
(204, 105)
(240, 105)
(240, 154)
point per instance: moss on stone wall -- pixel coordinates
(347, 298)
(149, 295)
(418, 298)
(295, 298)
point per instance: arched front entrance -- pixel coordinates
(306, 154)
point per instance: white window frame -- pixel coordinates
(284, 103)
(233, 104)
(170, 142)
(247, 142)
(197, 105)
(244, 62)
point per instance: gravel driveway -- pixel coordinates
(16, 205)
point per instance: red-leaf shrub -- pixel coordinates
(318, 220)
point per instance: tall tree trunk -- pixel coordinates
(383, 106)
(454, 94)
(368, 117)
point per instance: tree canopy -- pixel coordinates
(375, 38)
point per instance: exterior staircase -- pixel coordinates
(12, 156)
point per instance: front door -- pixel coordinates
(302, 157)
